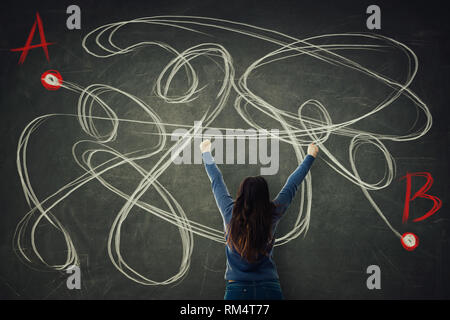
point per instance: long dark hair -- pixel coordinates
(250, 229)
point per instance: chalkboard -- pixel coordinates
(89, 173)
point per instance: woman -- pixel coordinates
(250, 222)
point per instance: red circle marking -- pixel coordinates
(407, 245)
(49, 85)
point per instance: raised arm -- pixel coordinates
(287, 193)
(220, 191)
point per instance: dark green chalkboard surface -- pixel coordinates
(87, 173)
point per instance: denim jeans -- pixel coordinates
(253, 290)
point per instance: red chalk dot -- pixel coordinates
(51, 80)
(409, 241)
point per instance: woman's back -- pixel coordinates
(264, 268)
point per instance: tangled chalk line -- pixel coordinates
(297, 130)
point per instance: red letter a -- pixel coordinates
(28, 45)
(420, 194)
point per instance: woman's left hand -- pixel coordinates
(205, 146)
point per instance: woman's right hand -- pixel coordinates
(313, 150)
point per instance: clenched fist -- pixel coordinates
(313, 150)
(205, 146)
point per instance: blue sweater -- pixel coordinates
(237, 267)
